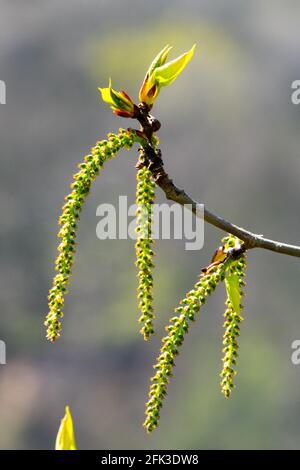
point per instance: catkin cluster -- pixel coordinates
(145, 196)
(88, 171)
(179, 326)
(232, 322)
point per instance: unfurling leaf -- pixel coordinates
(166, 74)
(121, 104)
(162, 74)
(159, 60)
(65, 439)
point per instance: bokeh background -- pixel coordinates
(230, 136)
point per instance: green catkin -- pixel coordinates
(88, 171)
(145, 196)
(179, 326)
(232, 331)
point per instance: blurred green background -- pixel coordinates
(230, 135)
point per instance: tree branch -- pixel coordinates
(172, 192)
(251, 240)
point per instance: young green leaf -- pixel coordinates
(121, 104)
(233, 291)
(65, 439)
(159, 60)
(167, 73)
(162, 74)
(149, 90)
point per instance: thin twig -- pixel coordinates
(175, 194)
(251, 240)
